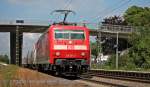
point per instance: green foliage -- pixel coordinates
(138, 16)
(140, 50)
(4, 58)
(111, 62)
(125, 63)
(138, 57)
(94, 49)
(7, 73)
(115, 20)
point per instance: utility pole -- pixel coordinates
(100, 45)
(90, 59)
(117, 50)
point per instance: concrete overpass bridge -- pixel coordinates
(18, 27)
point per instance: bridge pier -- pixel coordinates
(16, 40)
(13, 47)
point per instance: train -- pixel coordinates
(63, 49)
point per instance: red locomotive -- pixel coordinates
(64, 49)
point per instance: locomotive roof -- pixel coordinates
(68, 27)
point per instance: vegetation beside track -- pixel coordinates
(137, 56)
(14, 76)
(7, 73)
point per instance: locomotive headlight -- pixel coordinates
(57, 53)
(83, 54)
(70, 42)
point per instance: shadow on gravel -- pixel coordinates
(60, 76)
(70, 77)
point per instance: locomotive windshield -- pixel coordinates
(69, 34)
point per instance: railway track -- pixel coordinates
(101, 82)
(132, 76)
(123, 75)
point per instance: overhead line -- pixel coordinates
(67, 4)
(118, 7)
(106, 9)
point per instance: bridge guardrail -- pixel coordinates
(92, 26)
(116, 28)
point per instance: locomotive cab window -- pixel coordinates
(77, 35)
(59, 34)
(69, 34)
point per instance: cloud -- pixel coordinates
(4, 43)
(29, 39)
(20, 1)
(30, 35)
(32, 9)
(41, 9)
(86, 9)
(42, 3)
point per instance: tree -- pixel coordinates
(115, 20)
(94, 49)
(137, 16)
(140, 50)
(4, 58)
(138, 55)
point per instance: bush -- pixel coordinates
(4, 58)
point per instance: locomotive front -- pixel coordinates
(70, 50)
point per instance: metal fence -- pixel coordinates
(116, 28)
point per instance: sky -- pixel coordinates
(86, 10)
(90, 11)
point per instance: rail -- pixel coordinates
(101, 82)
(111, 77)
(125, 75)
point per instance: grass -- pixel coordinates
(106, 67)
(6, 74)
(14, 76)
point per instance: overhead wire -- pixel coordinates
(148, 3)
(105, 10)
(67, 4)
(121, 5)
(64, 7)
(81, 19)
(114, 9)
